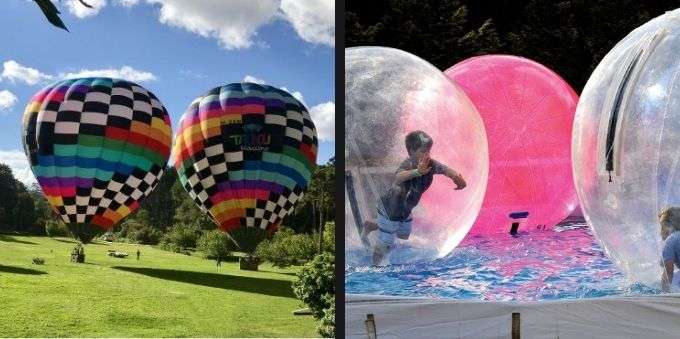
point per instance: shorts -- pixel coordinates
(383, 241)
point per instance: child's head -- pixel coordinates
(669, 220)
(418, 144)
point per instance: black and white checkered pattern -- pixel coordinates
(273, 210)
(90, 113)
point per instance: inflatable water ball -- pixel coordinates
(245, 154)
(528, 112)
(97, 147)
(389, 93)
(626, 145)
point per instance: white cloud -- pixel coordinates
(13, 71)
(16, 160)
(125, 72)
(7, 100)
(127, 3)
(191, 74)
(80, 11)
(250, 78)
(233, 23)
(323, 116)
(313, 20)
(297, 95)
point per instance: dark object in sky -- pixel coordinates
(51, 13)
(85, 4)
(518, 215)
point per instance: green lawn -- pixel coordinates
(162, 295)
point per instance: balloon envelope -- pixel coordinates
(97, 147)
(245, 154)
(528, 112)
(390, 93)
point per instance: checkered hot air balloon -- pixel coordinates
(97, 147)
(245, 153)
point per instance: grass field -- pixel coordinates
(163, 294)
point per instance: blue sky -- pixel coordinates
(177, 49)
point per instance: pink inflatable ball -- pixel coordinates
(390, 93)
(528, 112)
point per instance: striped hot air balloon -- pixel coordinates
(97, 147)
(245, 153)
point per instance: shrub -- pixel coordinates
(179, 238)
(316, 284)
(133, 231)
(38, 261)
(145, 235)
(329, 237)
(326, 327)
(287, 248)
(55, 228)
(215, 244)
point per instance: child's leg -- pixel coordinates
(383, 239)
(404, 230)
(370, 226)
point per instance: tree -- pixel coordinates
(23, 213)
(568, 36)
(321, 193)
(215, 245)
(8, 198)
(186, 210)
(317, 203)
(43, 211)
(158, 209)
(438, 31)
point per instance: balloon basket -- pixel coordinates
(249, 263)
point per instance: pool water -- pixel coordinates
(563, 263)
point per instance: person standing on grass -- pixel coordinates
(138, 253)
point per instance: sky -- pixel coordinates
(177, 49)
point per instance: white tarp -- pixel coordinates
(644, 317)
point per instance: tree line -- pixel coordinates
(25, 210)
(568, 36)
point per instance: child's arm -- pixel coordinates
(449, 172)
(402, 175)
(667, 275)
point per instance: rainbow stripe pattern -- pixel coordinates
(97, 147)
(245, 154)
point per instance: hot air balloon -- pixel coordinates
(97, 147)
(245, 153)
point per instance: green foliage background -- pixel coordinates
(570, 37)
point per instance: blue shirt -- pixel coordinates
(671, 248)
(396, 204)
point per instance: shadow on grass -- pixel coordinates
(20, 270)
(276, 288)
(292, 274)
(70, 241)
(9, 238)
